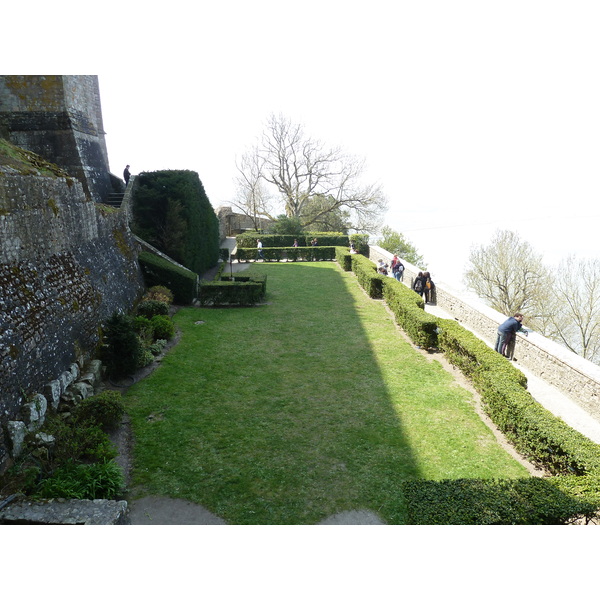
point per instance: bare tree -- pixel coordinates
(510, 276)
(252, 197)
(576, 291)
(301, 169)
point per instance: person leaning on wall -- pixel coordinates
(507, 331)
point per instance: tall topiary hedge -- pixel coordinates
(172, 212)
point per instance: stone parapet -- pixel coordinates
(576, 377)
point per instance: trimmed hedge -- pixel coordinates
(242, 291)
(407, 306)
(366, 273)
(526, 501)
(534, 431)
(158, 271)
(343, 258)
(290, 254)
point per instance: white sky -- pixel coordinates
(473, 116)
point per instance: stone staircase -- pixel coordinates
(114, 199)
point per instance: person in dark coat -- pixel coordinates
(419, 284)
(507, 330)
(126, 175)
(429, 288)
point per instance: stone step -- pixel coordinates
(65, 512)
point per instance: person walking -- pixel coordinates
(419, 284)
(506, 332)
(259, 246)
(429, 288)
(397, 268)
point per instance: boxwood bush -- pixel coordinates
(524, 501)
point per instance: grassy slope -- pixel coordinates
(311, 404)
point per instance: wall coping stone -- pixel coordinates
(65, 512)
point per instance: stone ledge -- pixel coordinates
(65, 512)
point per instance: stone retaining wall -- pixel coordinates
(576, 377)
(66, 265)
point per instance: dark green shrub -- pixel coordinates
(172, 212)
(236, 293)
(105, 409)
(151, 308)
(78, 441)
(122, 346)
(84, 482)
(163, 327)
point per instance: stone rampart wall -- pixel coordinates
(59, 117)
(574, 376)
(66, 265)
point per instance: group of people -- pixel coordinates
(424, 286)
(396, 267)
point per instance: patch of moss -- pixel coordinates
(27, 163)
(121, 242)
(52, 204)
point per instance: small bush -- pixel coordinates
(84, 440)
(84, 482)
(105, 409)
(160, 293)
(163, 327)
(123, 346)
(157, 347)
(151, 308)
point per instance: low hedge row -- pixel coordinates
(407, 307)
(233, 291)
(526, 501)
(248, 240)
(534, 431)
(158, 271)
(366, 273)
(290, 254)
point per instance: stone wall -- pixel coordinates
(231, 224)
(59, 117)
(66, 264)
(574, 376)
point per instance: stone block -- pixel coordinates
(65, 512)
(66, 379)
(81, 390)
(74, 370)
(52, 392)
(17, 430)
(34, 412)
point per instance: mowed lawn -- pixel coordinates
(308, 405)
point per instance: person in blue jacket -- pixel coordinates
(507, 330)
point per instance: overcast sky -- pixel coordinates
(473, 116)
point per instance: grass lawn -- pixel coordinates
(309, 405)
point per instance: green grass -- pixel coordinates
(308, 405)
